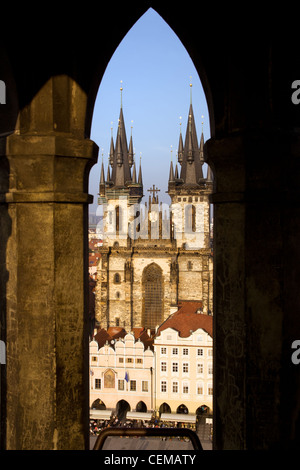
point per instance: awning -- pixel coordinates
(179, 417)
(138, 415)
(100, 414)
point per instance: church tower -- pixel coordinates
(142, 278)
(119, 192)
(121, 188)
(189, 191)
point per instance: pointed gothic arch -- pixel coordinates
(153, 296)
(246, 123)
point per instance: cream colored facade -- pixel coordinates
(112, 363)
(184, 371)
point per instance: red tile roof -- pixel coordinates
(186, 320)
(115, 332)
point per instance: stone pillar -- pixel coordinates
(254, 301)
(46, 273)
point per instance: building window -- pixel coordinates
(185, 388)
(175, 387)
(144, 386)
(185, 367)
(117, 278)
(200, 352)
(118, 212)
(120, 384)
(210, 389)
(98, 383)
(94, 358)
(117, 296)
(190, 218)
(199, 389)
(133, 385)
(189, 266)
(139, 361)
(175, 351)
(163, 386)
(153, 294)
(121, 360)
(210, 352)
(185, 351)
(175, 367)
(129, 360)
(199, 368)
(210, 369)
(163, 367)
(163, 350)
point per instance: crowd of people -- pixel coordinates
(96, 425)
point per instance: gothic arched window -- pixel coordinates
(153, 296)
(190, 218)
(117, 278)
(118, 219)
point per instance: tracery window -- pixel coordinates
(153, 296)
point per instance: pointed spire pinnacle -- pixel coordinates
(201, 148)
(130, 150)
(102, 178)
(189, 153)
(111, 152)
(108, 172)
(190, 156)
(121, 89)
(133, 177)
(180, 145)
(176, 172)
(140, 180)
(171, 174)
(119, 148)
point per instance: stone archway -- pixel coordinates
(182, 409)
(122, 408)
(45, 160)
(164, 408)
(141, 406)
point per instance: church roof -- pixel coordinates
(191, 167)
(187, 320)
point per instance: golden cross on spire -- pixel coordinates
(191, 85)
(153, 190)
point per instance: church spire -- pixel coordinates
(102, 180)
(122, 171)
(120, 175)
(191, 167)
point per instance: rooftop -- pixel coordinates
(189, 317)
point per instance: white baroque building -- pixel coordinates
(184, 362)
(122, 375)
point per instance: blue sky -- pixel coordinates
(155, 70)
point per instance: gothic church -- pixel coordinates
(154, 256)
